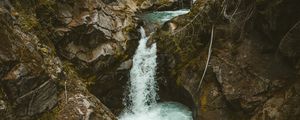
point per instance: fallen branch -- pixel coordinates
(208, 57)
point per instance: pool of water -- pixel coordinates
(161, 111)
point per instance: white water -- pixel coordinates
(161, 17)
(141, 102)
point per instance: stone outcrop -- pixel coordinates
(41, 41)
(97, 37)
(253, 69)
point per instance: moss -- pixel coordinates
(178, 82)
(27, 21)
(128, 29)
(72, 73)
(203, 100)
(69, 69)
(119, 54)
(28, 10)
(90, 80)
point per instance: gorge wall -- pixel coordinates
(70, 59)
(51, 51)
(253, 71)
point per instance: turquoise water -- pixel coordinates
(161, 111)
(161, 17)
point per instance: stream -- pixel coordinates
(141, 102)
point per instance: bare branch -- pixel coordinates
(208, 57)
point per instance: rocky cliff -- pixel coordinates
(52, 51)
(70, 59)
(237, 59)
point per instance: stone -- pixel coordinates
(125, 65)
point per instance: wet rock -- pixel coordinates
(26, 84)
(96, 37)
(96, 31)
(245, 71)
(125, 65)
(113, 91)
(31, 76)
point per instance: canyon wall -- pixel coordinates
(70, 59)
(253, 69)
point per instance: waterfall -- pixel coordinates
(142, 76)
(141, 103)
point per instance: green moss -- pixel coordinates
(26, 11)
(119, 54)
(27, 21)
(69, 69)
(72, 73)
(90, 80)
(178, 82)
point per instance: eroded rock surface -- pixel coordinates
(253, 62)
(54, 54)
(35, 82)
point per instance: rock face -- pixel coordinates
(59, 57)
(253, 70)
(97, 38)
(27, 87)
(54, 52)
(47, 47)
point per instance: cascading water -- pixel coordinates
(143, 85)
(141, 103)
(160, 17)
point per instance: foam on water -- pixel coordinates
(161, 111)
(141, 102)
